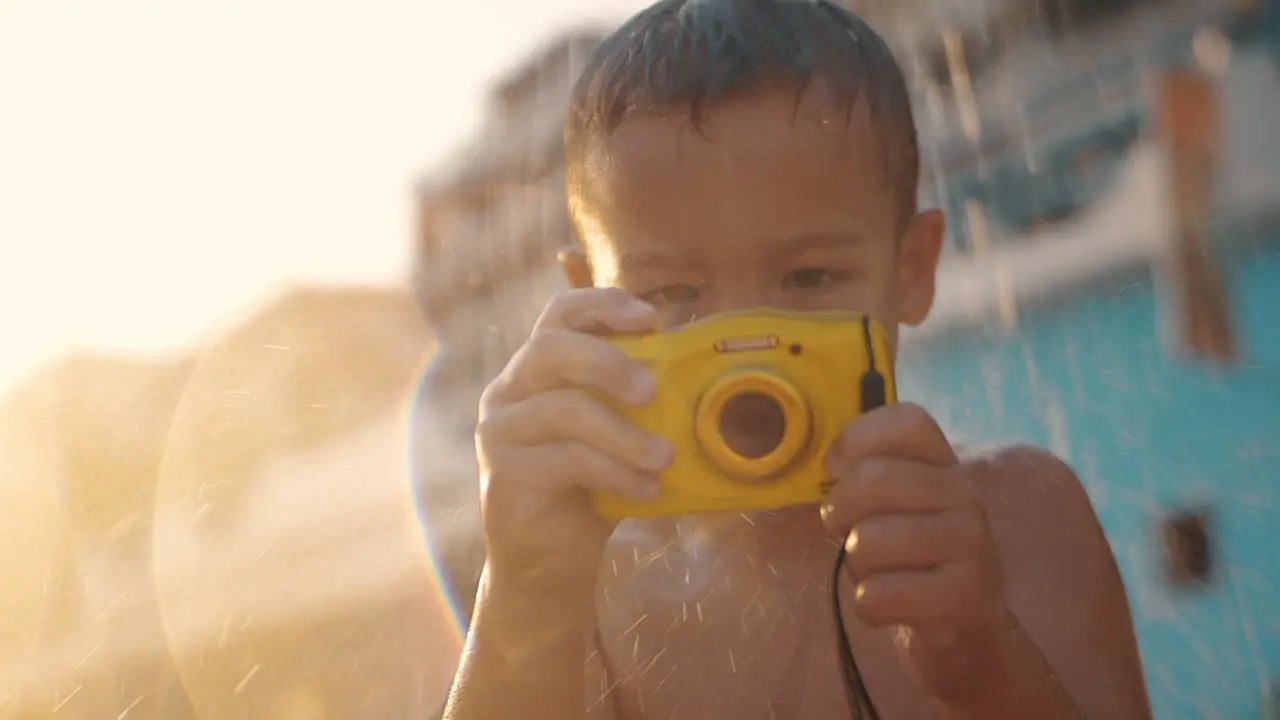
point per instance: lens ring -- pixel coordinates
(752, 424)
(797, 424)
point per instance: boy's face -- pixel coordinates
(776, 202)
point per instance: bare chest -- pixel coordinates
(711, 630)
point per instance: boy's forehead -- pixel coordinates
(771, 156)
(768, 118)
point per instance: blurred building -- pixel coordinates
(492, 226)
(230, 532)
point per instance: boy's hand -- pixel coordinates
(544, 440)
(918, 547)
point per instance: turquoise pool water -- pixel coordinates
(1090, 377)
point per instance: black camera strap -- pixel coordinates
(874, 395)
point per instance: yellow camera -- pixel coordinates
(751, 401)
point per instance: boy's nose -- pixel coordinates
(742, 290)
(745, 299)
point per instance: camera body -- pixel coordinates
(790, 380)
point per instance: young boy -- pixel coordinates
(729, 154)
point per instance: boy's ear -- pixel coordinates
(577, 270)
(918, 265)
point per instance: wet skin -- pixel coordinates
(979, 584)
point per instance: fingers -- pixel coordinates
(543, 431)
(565, 349)
(921, 600)
(889, 486)
(892, 543)
(600, 311)
(905, 430)
(574, 416)
(561, 467)
(554, 359)
(917, 543)
(933, 602)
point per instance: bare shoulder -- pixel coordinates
(1040, 517)
(1044, 527)
(1027, 485)
(1027, 466)
(1061, 578)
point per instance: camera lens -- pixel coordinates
(752, 424)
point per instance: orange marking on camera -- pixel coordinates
(747, 344)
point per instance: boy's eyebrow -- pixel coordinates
(650, 259)
(788, 246)
(805, 242)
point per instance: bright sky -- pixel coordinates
(165, 165)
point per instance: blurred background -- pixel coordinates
(258, 259)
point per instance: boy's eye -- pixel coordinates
(672, 294)
(809, 278)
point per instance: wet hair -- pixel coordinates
(693, 52)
